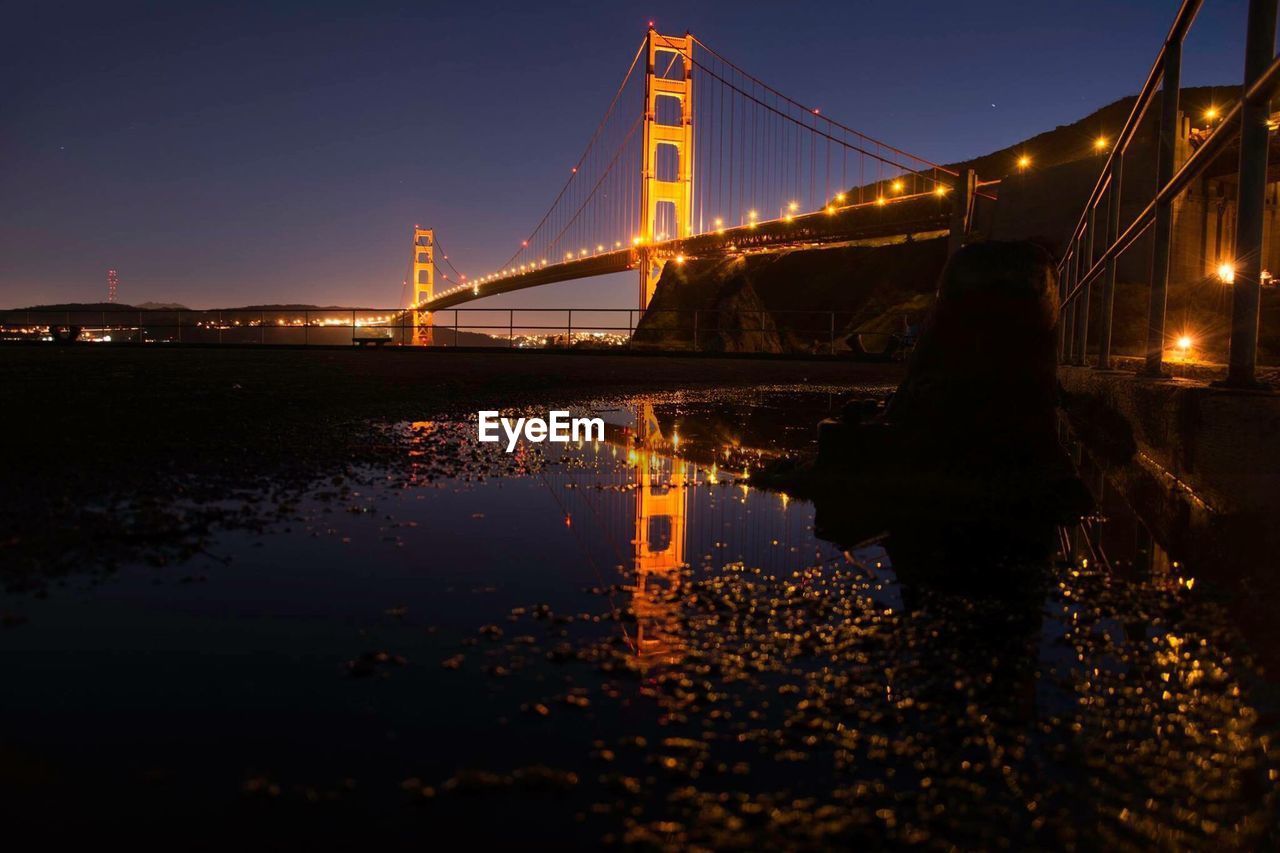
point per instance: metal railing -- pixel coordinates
(1091, 255)
(813, 332)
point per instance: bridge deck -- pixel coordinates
(918, 214)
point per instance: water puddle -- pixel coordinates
(622, 641)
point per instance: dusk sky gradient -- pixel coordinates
(223, 155)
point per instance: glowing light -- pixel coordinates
(1023, 162)
(719, 222)
(636, 241)
(940, 190)
(1184, 343)
(1100, 144)
(896, 186)
(831, 208)
(582, 253)
(679, 259)
(600, 248)
(1226, 272)
(1211, 114)
(568, 256)
(793, 206)
(880, 200)
(840, 198)
(751, 214)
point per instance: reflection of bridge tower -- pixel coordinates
(666, 177)
(424, 282)
(661, 512)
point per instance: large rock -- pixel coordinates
(981, 386)
(972, 428)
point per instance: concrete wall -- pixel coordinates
(1219, 446)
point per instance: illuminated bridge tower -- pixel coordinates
(666, 176)
(424, 283)
(661, 513)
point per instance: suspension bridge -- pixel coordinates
(717, 163)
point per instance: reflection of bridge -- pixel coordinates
(718, 163)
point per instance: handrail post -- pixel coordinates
(1246, 292)
(1082, 301)
(1159, 292)
(1107, 306)
(1064, 310)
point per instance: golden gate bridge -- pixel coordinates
(717, 163)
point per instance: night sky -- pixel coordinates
(281, 152)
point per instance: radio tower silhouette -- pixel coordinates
(113, 281)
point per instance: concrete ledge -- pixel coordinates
(1220, 446)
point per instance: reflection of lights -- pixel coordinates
(1226, 272)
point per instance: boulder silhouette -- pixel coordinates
(972, 427)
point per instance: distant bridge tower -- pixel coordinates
(666, 176)
(424, 283)
(113, 283)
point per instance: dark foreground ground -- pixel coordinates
(83, 424)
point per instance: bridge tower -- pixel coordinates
(666, 176)
(424, 283)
